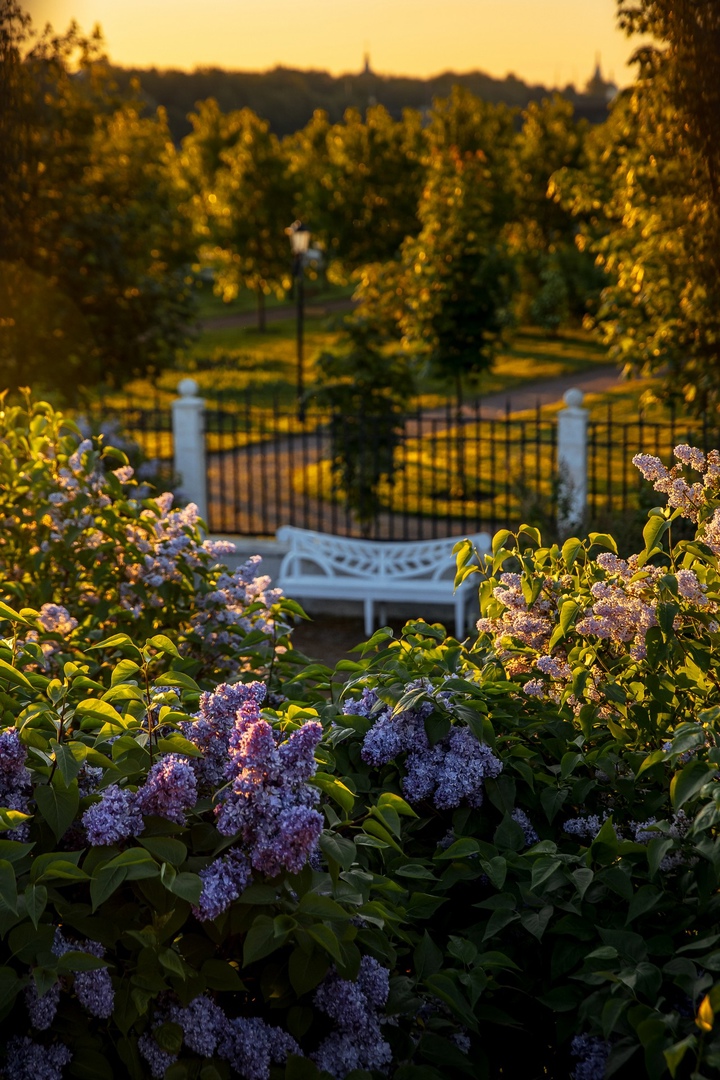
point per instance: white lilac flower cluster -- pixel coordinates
(15, 780)
(448, 772)
(268, 804)
(169, 791)
(248, 1044)
(356, 1007)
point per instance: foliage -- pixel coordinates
(517, 835)
(651, 211)
(93, 259)
(360, 182)
(78, 533)
(459, 274)
(368, 392)
(242, 199)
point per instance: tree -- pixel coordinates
(368, 391)
(557, 279)
(244, 199)
(459, 274)
(361, 180)
(650, 202)
(93, 260)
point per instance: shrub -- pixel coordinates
(449, 860)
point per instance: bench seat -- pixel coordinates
(325, 567)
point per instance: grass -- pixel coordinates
(210, 306)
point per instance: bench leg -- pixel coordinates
(368, 617)
(459, 617)
(383, 615)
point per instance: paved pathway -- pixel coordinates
(595, 380)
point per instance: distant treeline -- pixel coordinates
(287, 98)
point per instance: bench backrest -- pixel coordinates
(341, 556)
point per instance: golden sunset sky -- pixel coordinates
(545, 41)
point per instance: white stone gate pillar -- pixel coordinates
(572, 455)
(188, 422)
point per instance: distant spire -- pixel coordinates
(367, 70)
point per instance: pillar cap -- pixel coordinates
(187, 388)
(573, 398)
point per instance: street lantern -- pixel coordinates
(299, 235)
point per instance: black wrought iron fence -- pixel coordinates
(436, 475)
(615, 486)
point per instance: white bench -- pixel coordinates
(323, 567)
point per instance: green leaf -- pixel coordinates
(568, 614)
(123, 671)
(97, 710)
(10, 986)
(337, 791)
(163, 644)
(187, 886)
(114, 642)
(675, 1054)
(571, 550)
(75, 960)
(324, 936)
(498, 541)
(415, 870)
(394, 802)
(688, 782)
(9, 613)
(427, 957)
(58, 803)
(35, 902)
(645, 899)
(603, 540)
(260, 940)
(221, 975)
(339, 848)
(104, 884)
(582, 878)
(177, 744)
(543, 869)
(70, 757)
(305, 970)
(8, 887)
(177, 678)
(445, 987)
(12, 675)
(165, 848)
(460, 849)
(535, 922)
(321, 907)
(654, 531)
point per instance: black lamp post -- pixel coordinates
(300, 242)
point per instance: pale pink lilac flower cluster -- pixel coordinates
(56, 619)
(531, 627)
(240, 602)
(211, 728)
(593, 1054)
(355, 1007)
(94, 989)
(27, 1060)
(448, 772)
(689, 498)
(15, 779)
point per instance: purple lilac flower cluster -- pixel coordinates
(248, 1044)
(169, 791)
(531, 837)
(15, 780)
(593, 1054)
(94, 989)
(448, 772)
(41, 1010)
(213, 725)
(356, 1009)
(223, 881)
(269, 803)
(27, 1060)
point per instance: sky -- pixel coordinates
(553, 42)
